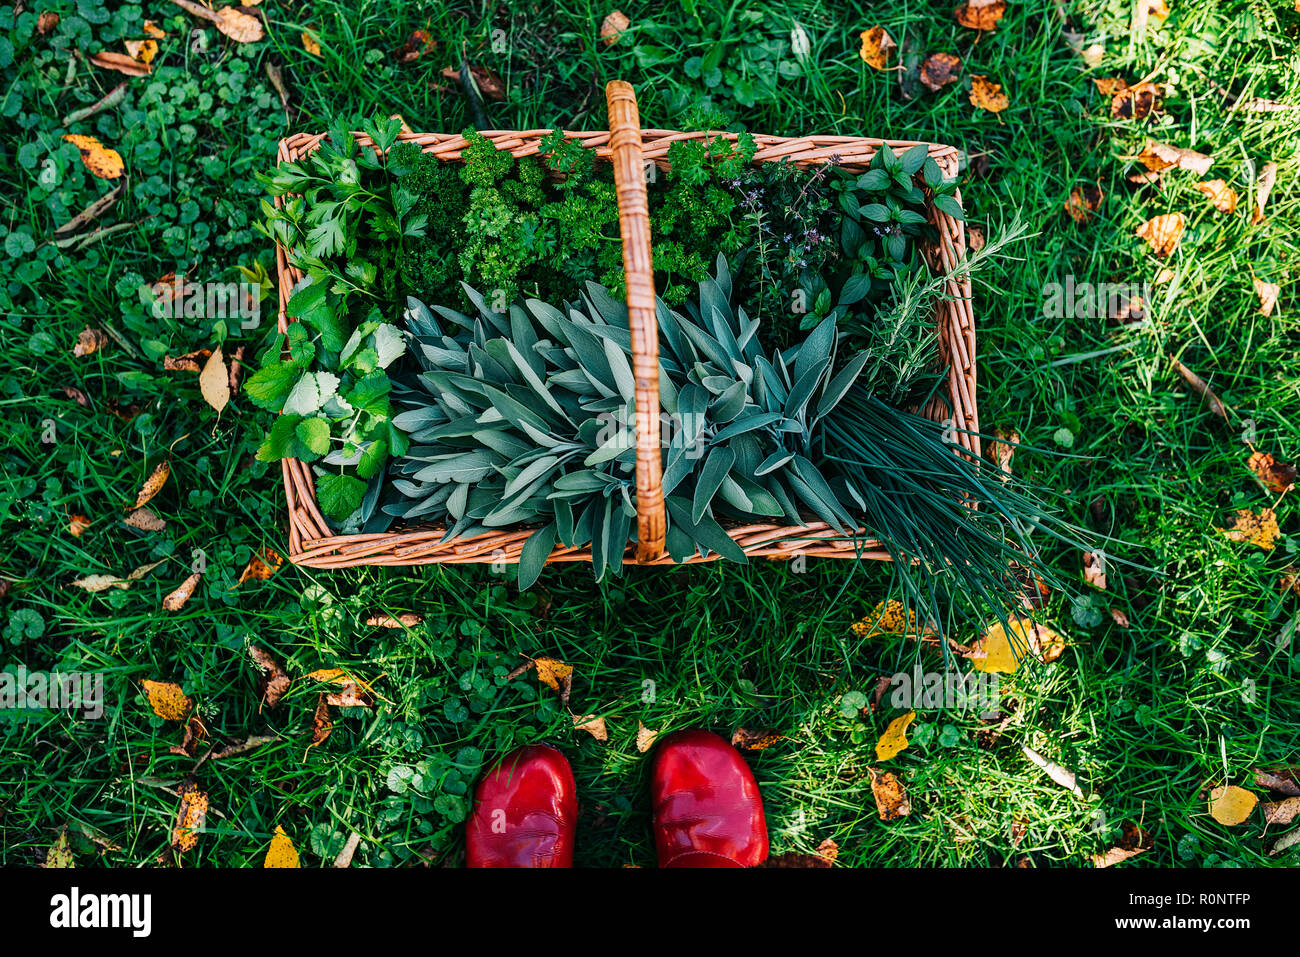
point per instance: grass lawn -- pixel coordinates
(1196, 690)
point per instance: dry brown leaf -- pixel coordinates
(168, 700)
(487, 80)
(145, 520)
(827, 853)
(89, 341)
(142, 51)
(1268, 293)
(981, 14)
(974, 238)
(153, 484)
(351, 696)
(1202, 388)
(274, 680)
(551, 672)
(755, 739)
(1161, 156)
(239, 26)
(242, 747)
(1285, 781)
(1222, 196)
(1273, 475)
(938, 70)
(95, 209)
(78, 524)
(1260, 530)
(1134, 102)
(878, 48)
(1232, 805)
(417, 45)
(1003, 449)
(1263, 187)
(190, 362)
(121, 62)
(1118, 616)
(1133, 841)
(189, 818)
(345, 856)
(1163, 232)
(46, 22)
(77, 396)
(891, 797)
(322, 722)
(987, 95)
(310, 43)
(214, 381)
(1108, 86)
(264, 563)
(612, 27)
(1281, 812)
(405, 620)
(1094, 572)
(195, 732)
(98, 583)
(593, 725)
(177, 599)
(1259, 105)
(645, 738)
(1084, 202)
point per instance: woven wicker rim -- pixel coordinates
(630, 149)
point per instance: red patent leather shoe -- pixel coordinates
(707, 809)
(524, 814)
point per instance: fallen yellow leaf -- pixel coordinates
(153, 484)
(1261, 530)
(894, 739)
(593, 725)
(1222, 196)
(891, 797)
(1231, 805)
(189, 818)
(551, 671)
(281, 853)
(645, 738)
(310, 43)
(981, 14)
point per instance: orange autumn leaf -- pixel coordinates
(176, 600)
(189, 818)
(322, 722)
(77, 524)
(1084, 202)
(167, 699)
(891, 797)
(1163, 232)
(1134, 102)
(612, 27)
(152, 485)
(1268, 293)
(96, 157)
(981, 14)
(551, 671)
(154, 30)
(755, 739)
(1273, 475)
(987, 95)
(1161, 156)
(142, 51)
(878, 47)
(310, 43)
(264, 563)
(1222, 196)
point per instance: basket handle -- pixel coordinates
(634, 226)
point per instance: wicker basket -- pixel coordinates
(630, 149)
